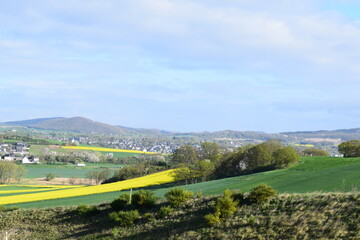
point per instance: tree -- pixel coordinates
(183, 174)
(350, 148)
(49, 176)
(185, 154)
(127, 173)
(203, 169)
(314, 152)
(229, 163)
(98, 176)
(72, 180)
(250, 158)
(19, 173)
(284, 156)
(9, 171)
(257, 156)
(210, 151)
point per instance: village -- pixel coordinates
(17, 152)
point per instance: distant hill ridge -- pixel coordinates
(88, 126)
(26, 123)
(74, 124)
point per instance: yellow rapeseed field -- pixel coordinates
(100, 149)
(37, 188)
(152, 179)
(26, 190)
(304, 145)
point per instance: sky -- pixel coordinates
(183, 65)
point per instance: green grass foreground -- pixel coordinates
(312, 174)
(288, 216)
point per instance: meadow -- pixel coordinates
(312, 174)
(66, 171)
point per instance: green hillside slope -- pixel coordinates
(325, 174)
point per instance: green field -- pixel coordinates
(122, 154)
(63, 171)
(321, 174)
(39, 149)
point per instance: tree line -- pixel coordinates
(210, 161)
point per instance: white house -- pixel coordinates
(30, 160)
(25, 160)
(8, 158)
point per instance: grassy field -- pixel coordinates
(63, 171)
(313, 174)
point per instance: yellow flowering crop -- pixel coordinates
(304, 145)
(100, 149)
(37, 188)
(25, 190)
(152, 179)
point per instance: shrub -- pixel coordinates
(115, 232)
(178, 196)
(125, 218)
(238, 196)
(199, 195)
(144, 198)
(225, 205)
(113, 216)
(149, 217)
(213, 218)
(165, 211)
(86, 210)
(120, 202)
(261, 194)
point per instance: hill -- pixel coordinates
(299, 216)
(30, 122)
(74, 124)
(313, 174)
(86, 126)
(343, 134)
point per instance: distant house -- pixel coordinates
(8, 158)
(4, 148)
(30, 160)
(25, 160)
(20, 147)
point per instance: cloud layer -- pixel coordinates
(183, 65)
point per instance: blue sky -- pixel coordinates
(183, 65)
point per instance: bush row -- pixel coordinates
(225, 205)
